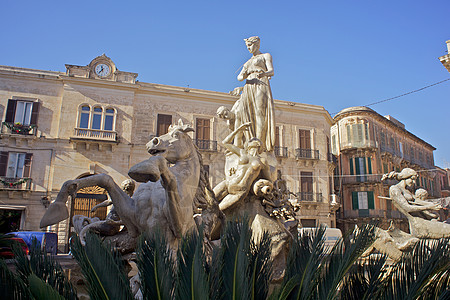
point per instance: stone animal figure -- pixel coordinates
(173, 186)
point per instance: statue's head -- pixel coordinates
(252, 43)
(224, 113)
(128, 186)
(421, 194)
(253, 146)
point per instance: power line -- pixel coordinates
(405, 94)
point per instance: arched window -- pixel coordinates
(84, 116)
(109, 119)
(96, 118)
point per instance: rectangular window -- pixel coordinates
(23, 112)
(366, 131)
(363, 200)
(306, 186)
(400, 148)
(15, 164)
(305, 139)
(163, 123)
(203, 129)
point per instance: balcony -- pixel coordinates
(307, 196)
(373, 213)
(280, 151)
(306, 153)
(18, 128)
(332, 158)
(367, 178)
(15, 184)
(95, 134)
(206, 145)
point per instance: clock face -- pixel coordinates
(102, 70)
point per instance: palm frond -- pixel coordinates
(156, 266)
(234, 257)
(341, 258)
(192, 279)
(12, 286)
(45, 267)
(105, 277)
(306, 261)
(422, 273)
(260, 266)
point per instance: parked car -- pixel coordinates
(47, 240)
(6, 251)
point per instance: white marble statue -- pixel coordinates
(255, 104)
(173, 185)
(419, 212)
(239, 180)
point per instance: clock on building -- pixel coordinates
(102, 70)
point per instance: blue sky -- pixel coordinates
(331, 53)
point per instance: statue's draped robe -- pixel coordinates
(256, 105)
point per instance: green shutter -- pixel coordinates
(371, 200)
(365, 165)
(369, 165)
(351, 166)
(355, 200)
(357, 170)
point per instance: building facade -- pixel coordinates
(96, 119)
(369, 145)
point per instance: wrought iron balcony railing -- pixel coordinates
(15, 183)
(17, 128)
(96, 134)
(307, 196)
(367, 178)
(280, 151)
(306, 153)
(207, 145)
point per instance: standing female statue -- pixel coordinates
(256, 103)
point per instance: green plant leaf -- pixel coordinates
(192, 279)
(156, 267)
(106, 279)
(41, 290)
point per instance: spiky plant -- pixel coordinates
(312, 273)
(38, 276)
(424, 273)
(240, 267)
(102, 267)
(156, 267)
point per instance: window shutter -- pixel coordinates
(365, 165)
(369, 165)
(3, 162)
(357, 170)
(10, 111)
(351, 166)
(355, 200)
(371, 200)
(27, 165)
(34, 113)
